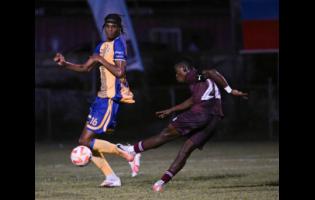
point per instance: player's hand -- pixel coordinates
(239, 93)
(163, 113)
(59, 59)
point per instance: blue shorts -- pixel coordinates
(102, 116)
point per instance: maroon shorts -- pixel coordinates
(196, 126)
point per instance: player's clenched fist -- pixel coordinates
(59, 59)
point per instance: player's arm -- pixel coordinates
(220, 80)
(118, 69)
(183, 106)
(85, 67)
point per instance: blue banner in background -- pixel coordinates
(100, 9)
(260, 9)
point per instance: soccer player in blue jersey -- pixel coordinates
(202, 112)
(110, 56)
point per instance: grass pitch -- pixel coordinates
(221, 171)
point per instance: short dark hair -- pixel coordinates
(113, 18)
(186, 64)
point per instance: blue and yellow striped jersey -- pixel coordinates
(111, 86)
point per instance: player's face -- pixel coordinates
(180, 74)
(111, 30)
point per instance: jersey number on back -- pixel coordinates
(206, 95)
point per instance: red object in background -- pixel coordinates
(260, 34)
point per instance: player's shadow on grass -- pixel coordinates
(227, 176)
(148, 178)
(266, 184)
(212, 177)
(271, 183)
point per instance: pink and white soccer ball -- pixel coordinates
(81, 156)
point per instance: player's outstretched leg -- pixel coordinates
(103, 146)
(176, 166)
(165, 136)
(168, 134)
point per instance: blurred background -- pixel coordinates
(239, 38)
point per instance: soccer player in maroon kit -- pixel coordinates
(202, 113)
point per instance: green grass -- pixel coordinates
(223, 170)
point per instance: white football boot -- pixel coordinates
(129, 156)
(135, 164)
(112, 181)
(158, 186)
(127, 148)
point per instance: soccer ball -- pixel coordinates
(81, 156)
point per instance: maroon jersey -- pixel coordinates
(205, 93)
(198, 122)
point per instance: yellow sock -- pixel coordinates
(106, 147)
(102, 164)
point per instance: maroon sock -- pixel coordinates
(167, 177)
(138, 147)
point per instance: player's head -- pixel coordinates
(112, 26)
(181, 69)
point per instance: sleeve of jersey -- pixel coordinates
(119, 51)
(97, 48)
(191, 77)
